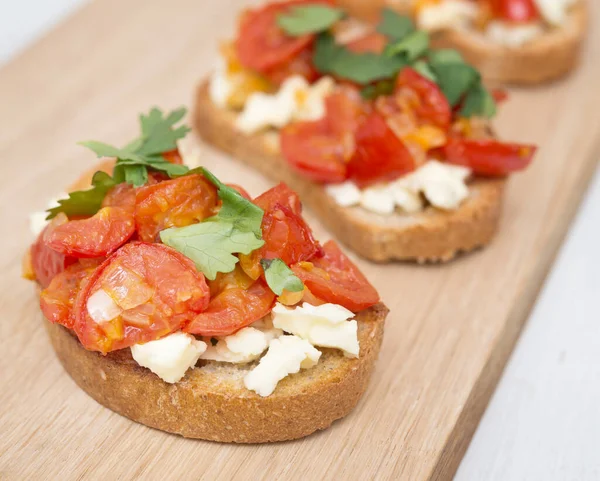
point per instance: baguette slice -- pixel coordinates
(429, 236)
(551, 56)
(211, 402)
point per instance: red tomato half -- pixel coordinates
(173, 203)
(374, 42)
(46, 262)
(96, 236)
(515, 10)
(56, 301)
(489, 157)
(173, 156)
(301, 64)
(233, 309)
(334, 278)
(380, 155)
(154, 291)
(426, 98)
(280, 194)
(261, 45)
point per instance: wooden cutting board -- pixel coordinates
(451, 327)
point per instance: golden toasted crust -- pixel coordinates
(549, 57)
(211, 402)
(429, 236)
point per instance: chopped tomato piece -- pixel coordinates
(380, 155)
(173, 156)
(415, 92)
(56, 301)
(233, 309)
(173, 203)
(335, 279)
(261, 44)
(121, 195)
(374, 42)
(301, 64)
(96, 236)
(46, 262)
(515, 10)
(489, 157)
(280, 194)
(140, 293)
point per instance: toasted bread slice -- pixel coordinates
(211, 401)
(549, 57)
(429, 236)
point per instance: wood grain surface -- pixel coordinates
(451, 328)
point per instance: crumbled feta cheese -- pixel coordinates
(169, 357)
(244, 346)
(513, 35)
(101, 307)
(446, 14)
(345, 194)
(328, 325)
(286, 355)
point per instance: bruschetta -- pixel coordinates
(187, 305)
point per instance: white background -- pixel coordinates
(543, 422)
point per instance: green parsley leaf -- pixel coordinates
(479, 102)
(394, 25)
(445, 55)
(455, 80)
(280, 277)
(362, 68)
(383, 87)
(424, 69)
(308, 19)
(236, 229)
(85, 202)
(159, 133)
(410, 47)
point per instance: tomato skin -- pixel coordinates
(232, 310)
(489, 157)
(173, 203)
(515, 10)
(431, 104)
(261, 45)
(96, 236)
(56, 301)
(158, 289)
(301, 65)
(280, 194)
(121, 195)
(335, 279)
(46, 262)
(373, 42)
(173, 156)
(380, 155)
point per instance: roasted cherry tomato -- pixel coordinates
(489, 157)
(233, 309)
(380, 155)
(261, 44)
(140, 293)
(46, 262)
(97, 236)
(374, 42)
(335, 279)
(301, 64)
(173, 203)
(121, 195)
(280, 194)
(173, 156)
(56, 301)
(515, 10)
(415, 92)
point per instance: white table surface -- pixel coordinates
(543, 422)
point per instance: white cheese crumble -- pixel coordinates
(447, 14)
(555, 11)
(328, 325)
(243, 347)
(286, 355)
(509, 35)
(295, 100)
(101, 307)
(169, 357)
(443, 185)
(37, 220)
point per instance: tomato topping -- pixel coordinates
(320, 150)
(380, 155)
(334, 278)
(46, 262)
(56, 301)
(121, 195)
(173, 203)
(500, 95)
(515, 10)
(139, 294)
(173, 156)
(415, 92)
(301, 64)
(233, 309)
(489, 157)
(374, 42)
(96, 236)
(280, 194)
(261, 44)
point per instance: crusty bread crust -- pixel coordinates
(429, 236)
(551, 56)
(211, 402)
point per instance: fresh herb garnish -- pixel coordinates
(395, 26)
(478, 101)
(212, 243)
(306, 19)
(280, 277)
(411, 47)
(383, 87)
